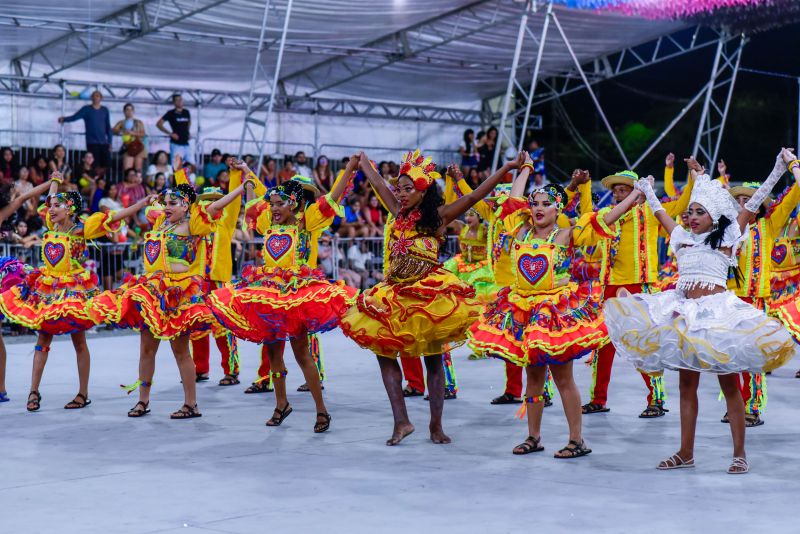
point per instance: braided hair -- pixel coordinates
(187, 191)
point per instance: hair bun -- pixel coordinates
(187, 190)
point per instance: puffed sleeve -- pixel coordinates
(590, 229)
(99, 224)
(257, 215)
(320, 215)
(200, 221)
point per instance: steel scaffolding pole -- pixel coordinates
(535, 77)
(589, 89)
(254, 78)
(714, 115)
(512, 79)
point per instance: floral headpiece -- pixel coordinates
(71, 199)
(421, 170)
(184, 195)
(556, 197)
(284, 192)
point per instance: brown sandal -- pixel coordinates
(528, 446)
(229, 380)
(139, 410)
(34, 404)
(186, 412)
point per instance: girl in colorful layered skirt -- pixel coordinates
(13, 271)
(167, 301)
(419, 306)
(785, 301)
(52, 299)
(287, 298)
(544, 319)
(471, 264)
(701, 326)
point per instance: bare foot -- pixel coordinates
(401, 430)
(438, 436)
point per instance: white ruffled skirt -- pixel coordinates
(718, 333)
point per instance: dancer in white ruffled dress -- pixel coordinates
(701, 327)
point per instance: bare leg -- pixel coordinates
(570, 398)
(535, 388)
(84, 362)
(310, 373)
(180, 348)
(688, 383)
(40, 359)
(433, 364)
(393, 382)
(733, 398)
(277, 366)
(147, 364)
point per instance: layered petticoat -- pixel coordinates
(718, 333)
(169, 305)
(543, 327)
(278, 305)
(477, 274)
(51, 304)
(413, 319)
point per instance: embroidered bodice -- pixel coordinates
(63, 252)
(286, 247)
(163, 247)
(786, 254)
(412, 254)
(700, 266)
(473, 249)
(540, 264)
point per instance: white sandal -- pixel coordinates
(675, 462)
(739, 466)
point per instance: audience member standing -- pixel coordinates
(180, 120)
(97, 126)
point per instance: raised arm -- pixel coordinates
(218, 205)
(17, 202)
(378, 184)
(763, 191)
(133, 209)
(521, 180)
(669, 176)
(340, 186)
(449, 212)
(645, 185)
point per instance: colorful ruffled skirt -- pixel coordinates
(266, 306)
(542, 328)
(53, 304)
(169, 305)
(413, 319)
(717, 333)
(478, 275)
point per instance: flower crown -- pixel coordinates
(71, 199)
(552, 193)
(176, 193)
(282, 192)
(421, 170)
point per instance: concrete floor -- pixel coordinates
(95, 470)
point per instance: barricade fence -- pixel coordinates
(29, 144)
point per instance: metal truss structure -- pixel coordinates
(518, 101)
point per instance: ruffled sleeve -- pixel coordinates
(590, 228)
(320, 214)
(257, 215)
(99, 224)
(45, 215)
(201, 222)
(154, 215)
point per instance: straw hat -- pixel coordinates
(621, 178)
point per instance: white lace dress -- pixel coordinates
(718, 333)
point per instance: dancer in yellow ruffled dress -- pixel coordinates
(419, 306)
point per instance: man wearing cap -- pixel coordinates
(219, 270)
(631, 263)
(212, 169)
(755, 262)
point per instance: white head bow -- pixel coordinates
(714, 198)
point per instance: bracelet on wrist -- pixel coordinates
(524, 165)
(793, 164)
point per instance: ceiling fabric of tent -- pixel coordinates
(460, 53)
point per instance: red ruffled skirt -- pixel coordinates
(544, 328)
(169, 305)
(278, 305)
(51, 304)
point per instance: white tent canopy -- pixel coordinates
(447, 52)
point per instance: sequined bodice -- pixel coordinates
(540, 264)
(286, 247)
(412, 254)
